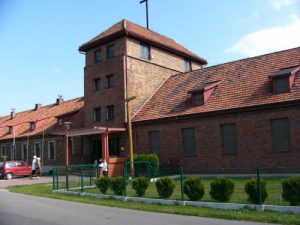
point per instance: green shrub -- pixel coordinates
(164, 187)
(103, 184)
(140, 185)
(193, 188)
(117, 185)
(221, 189)
(291, 190)
(3, 158)
(152, 158)
(252, 191)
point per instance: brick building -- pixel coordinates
(228, 117)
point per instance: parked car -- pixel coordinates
(10, 169)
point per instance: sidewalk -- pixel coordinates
(24, 181)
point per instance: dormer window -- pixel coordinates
(201, 95)
(60, 121)
(32, 126)
(187, 65)
(10, 129)
(282, 80)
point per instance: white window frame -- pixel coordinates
(24, 157)
(34, 149)
(49, 154)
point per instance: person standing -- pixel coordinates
(104, 168)
(33, 167)
(38, 167)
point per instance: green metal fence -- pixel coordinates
(75, 177)
(82, 178)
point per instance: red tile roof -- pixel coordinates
(45, 118)
(244, 83)
(125, 27)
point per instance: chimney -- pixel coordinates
(12, 113)
(59, 100)
(124, 24)
(37, 106)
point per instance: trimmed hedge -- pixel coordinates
(291, 190)
(103, 184)
(252, 191)
(193, 188)
(117, 185)
(165, 187)
(140, 185)
(221, 189)
(152, 158)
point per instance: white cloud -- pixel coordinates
(279, 4)
(269, 40)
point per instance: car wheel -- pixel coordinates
(9, 176)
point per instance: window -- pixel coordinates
(3, 150)
(12, 152)
(109, 81)
(145, 51)
(198, 99)
(114, 146)
(280, 135)
(110, 112)
(110, 51)
(51, 150)
(154, 141)
(60, 121)
(98, 56)
(32, 126)
(281, 85)
(188, 141)
(96, 84)
(97, 114)
(229, 141)
(187, 65)
(10, 129)
(37, 149)
(24, 152)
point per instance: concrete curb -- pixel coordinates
(215, 205)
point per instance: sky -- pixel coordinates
(39, 39)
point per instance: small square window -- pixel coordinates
(109, 81)
(110, 51)
(110, 112)
(97, 114)
(281, 85)
(187, 65)
(98, 56)
(145, 51)
(96, 84)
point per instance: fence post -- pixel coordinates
(67, 178)
(81, 178)
(181, 184)
(258, 185)
(57, 179)
(54, 179)
(125, 181)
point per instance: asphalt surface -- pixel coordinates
(18, 209)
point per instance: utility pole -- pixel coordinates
(147, 17)
(127, 100)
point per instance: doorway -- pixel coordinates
(95, 151)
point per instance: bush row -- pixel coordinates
(221, 189)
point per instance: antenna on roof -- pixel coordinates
(146, 11)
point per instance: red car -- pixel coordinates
(9, 169)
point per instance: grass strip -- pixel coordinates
(45, 190)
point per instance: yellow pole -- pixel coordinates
(130, 136)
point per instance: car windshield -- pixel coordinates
(1, 164)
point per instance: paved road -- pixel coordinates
(17, 209)
(24, 181)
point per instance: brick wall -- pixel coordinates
(254, 142)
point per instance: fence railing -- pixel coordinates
(82, 178)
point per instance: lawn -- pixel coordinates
(45, 190)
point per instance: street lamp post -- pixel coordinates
(127, 100)
(67, 127)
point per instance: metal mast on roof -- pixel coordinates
(146, 11)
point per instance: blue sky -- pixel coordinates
(39, 40)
